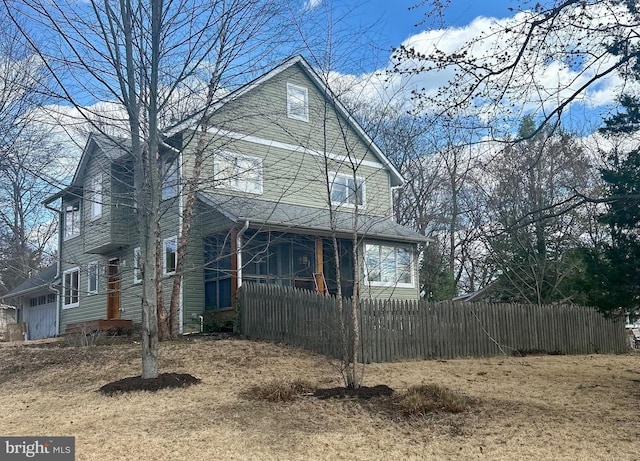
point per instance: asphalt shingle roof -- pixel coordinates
(299, 217)
(40, 280)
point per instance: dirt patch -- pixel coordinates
(362, 393)
(137, 383)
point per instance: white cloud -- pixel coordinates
(545, 77)
(312, 4)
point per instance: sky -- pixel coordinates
(398, 20)
(393, 23)
(377, 26)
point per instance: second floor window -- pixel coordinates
(170, 178)
(238, 172)
(347, 190)
(72, 220)
(95, 197)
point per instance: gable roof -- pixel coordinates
(396, 177)
(39, 281)
(277, 215)
(111, 147)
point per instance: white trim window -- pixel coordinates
(95, 197)
(71, 288)
(92, 277)
(297, 102)
(137, 265)
(388, 265)
(238, 172)
(72, 220)
(170, 178)
(345, 190)
(169, 255)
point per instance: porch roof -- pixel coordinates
(285, 216)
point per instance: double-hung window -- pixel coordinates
(297, 102)
(387, 265)
(347, 190)
(72, 220)
(238, 172)
(71, 288)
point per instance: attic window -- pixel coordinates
(297, 102)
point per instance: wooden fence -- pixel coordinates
(394, 330)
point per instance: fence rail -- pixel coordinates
(393, 330)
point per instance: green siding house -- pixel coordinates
(286, 169)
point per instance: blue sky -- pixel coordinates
(397, 20)
(390, 23)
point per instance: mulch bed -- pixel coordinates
(137, 383)
(363, 393)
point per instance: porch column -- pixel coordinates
(318, 276)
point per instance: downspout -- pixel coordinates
(180, 219)
(58, 264)
(57, 291)
(239, 252)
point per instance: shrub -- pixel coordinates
(279, 390)
(431, 398)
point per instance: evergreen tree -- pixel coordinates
(615, 266)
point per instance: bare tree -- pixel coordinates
(146, 56)
(26, 151)
(534, 254)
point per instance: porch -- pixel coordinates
(275, 258)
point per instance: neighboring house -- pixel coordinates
(37, 303)
(261, 214)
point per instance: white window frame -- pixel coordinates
(70, 272)
(165, 244)
(170, 178)
(239, 172)
(137, 266)
(92, 273)
(95, 197)
(340, 179)
(380, 279)
(72, 220)
(297, 102)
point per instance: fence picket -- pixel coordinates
(394, 330)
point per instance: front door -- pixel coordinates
(113, 289)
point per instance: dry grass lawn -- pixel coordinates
(540, 407)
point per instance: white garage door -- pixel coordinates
(41, 321)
